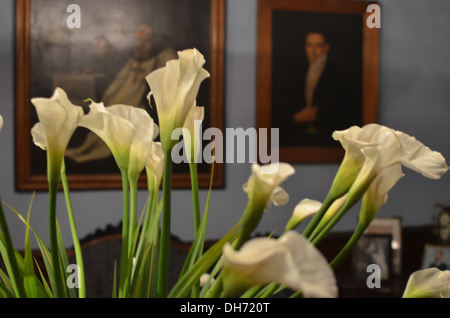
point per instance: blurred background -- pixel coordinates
(414, 97)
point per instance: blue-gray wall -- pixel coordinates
(414, 98)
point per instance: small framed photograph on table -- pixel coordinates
(373, 249)
(437, 256)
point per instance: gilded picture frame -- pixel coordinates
(307, 101)
(50, 53)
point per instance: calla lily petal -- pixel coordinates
(263, 188)
(175, 88)
(58, 119)
(428, 283)
(145, 130)
(58, 116)
(128, 131)
(418, 157)
(291, 261)
(394, 147)
(377, 193)
(205, 278)
(38, 134)
(279, 197)
(265, 179)
(331, 212)
(303, 210)
(383, 147)
(155, 163)
(117, 132)
(192, 140)
(1, 122)
(306, 208)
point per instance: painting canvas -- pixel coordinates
(315, 74)
(106, 60)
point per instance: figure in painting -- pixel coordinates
(438, 262)
(320, 89)
(128, 87)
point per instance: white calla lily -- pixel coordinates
(38, 135)
(377, 193)
(128, 131)
(174, 89)
(397, 147)
(332, 210)
(383, 147)
(206, 279)
(145, 131)
(428, 283)
(192, 133)
(352, 140)
(116, 131)
(263, 189)
(58, 119)
(279, 197)
(1, 122)
(370, 150)
(303, 210)
(392, 147)
(263, 184)
(290, 261)
(155, 165)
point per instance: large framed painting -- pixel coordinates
(317, 73)
(102, 50)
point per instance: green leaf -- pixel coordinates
(152, 288)
(7, 286)
(217, 268)
(143, 278)
(197, 247)
(64, 259)
(29, 274)
(114, 291)
(192, 276)
(47, 290)
(9, 258)
(43, 248)
(4, 293)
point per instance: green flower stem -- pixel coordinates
(316, 219)
(196, 209)
(15, 277)
(269, 290)
(195, 195)
(348, 247)
(163, 275)
(353, 197)
(54, 164)
(133, 213)
(297, 294)
(250, 220)
(253, 291)
(327, 228)
(152, 203)
(124, 279)
(56, 263)
(216, 289)
(76, 241)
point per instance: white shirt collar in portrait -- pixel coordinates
(313, 75)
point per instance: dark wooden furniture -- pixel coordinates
(103, 247)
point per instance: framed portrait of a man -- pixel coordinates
(317, 73)
(102, 51)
